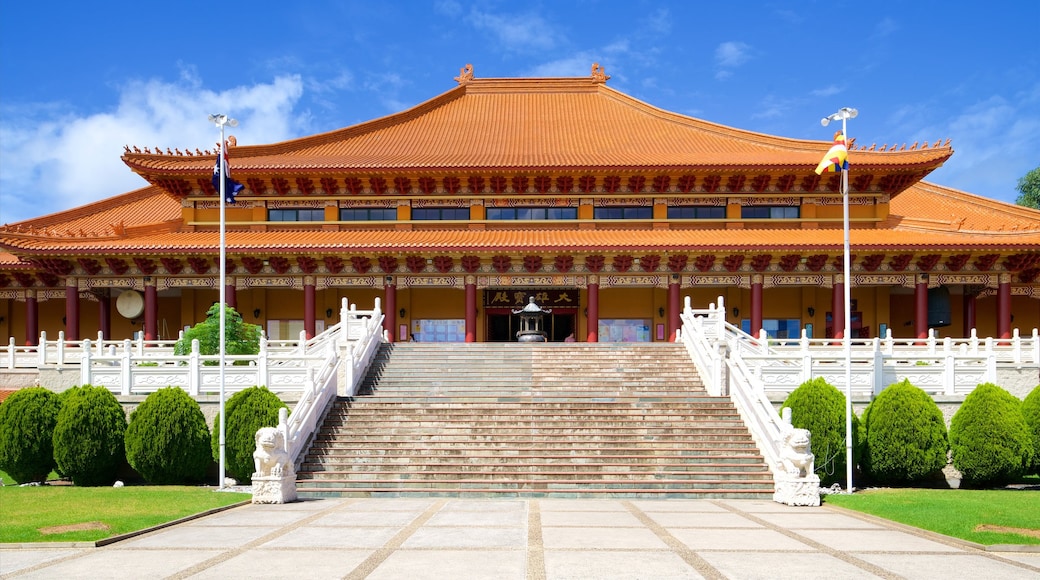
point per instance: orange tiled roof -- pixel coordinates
(572, 123)
(925, 216)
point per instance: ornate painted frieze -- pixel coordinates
(347, 281)
(716, 281)
(534, 280)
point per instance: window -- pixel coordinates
(440, 213)
(700, 212)
(774, 212)
(623, 213)
(532, 213)
(776, 328)
(367, 214)
(296, 215)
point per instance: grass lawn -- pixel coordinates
(64, 513)
(981, 516)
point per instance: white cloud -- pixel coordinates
(55, 159)
(827, 91)
(517, 33)
(732, 54)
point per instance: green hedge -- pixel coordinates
(27, 420)
(992, 444)
(247, 411)
(818, 406)
(905, 436)
(167, 440)
(1031, 412)
(88, 436)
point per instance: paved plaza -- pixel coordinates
(532, 539)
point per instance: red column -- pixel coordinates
(471, 309)
(390, 310)
(838, 307)
(969, 311)
(921, 306)
(71, 309)
(32, 319)
(105, 314)
(674, 309)
(593, 316)
(308, 306)
(231, 295)
(1004, 306)
(756, 304)
(151, 310)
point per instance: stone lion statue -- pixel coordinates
(270, 458)
(796, 456)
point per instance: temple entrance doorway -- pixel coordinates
(502, 325)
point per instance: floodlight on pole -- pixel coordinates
(221, 121)
(844, 114)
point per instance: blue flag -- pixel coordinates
(231, 187)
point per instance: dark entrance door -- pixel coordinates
(502, 325)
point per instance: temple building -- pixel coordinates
(455, 212)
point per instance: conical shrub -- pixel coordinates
(1031, 412)
(88, 436)
(247, 411)
(818, 406)
(991, 442)
(167, 440)
(905, 436)
(27, 420)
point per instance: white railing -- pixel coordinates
(354, 340)
(750, 369)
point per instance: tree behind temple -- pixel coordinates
(1029, 188)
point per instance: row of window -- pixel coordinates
(364, 214)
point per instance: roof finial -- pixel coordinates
(598, 74)
(465, 74)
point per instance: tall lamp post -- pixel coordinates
(844, 114)
(221, 121)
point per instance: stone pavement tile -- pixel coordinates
(246, 517)
(1029, 558)
(466, 538)
(678, 505)
(478, 518)
(703, 520)
(946, 566)
(199, 536)
(601, 538)
(783, 566)
(333, 537)
(737, 539)
(471, 505)
(881, 540)
(452, 565)
(612, 519)
(313, 564)
(755, 506)
(818, 520)
(343, 518)
(102, 563)
(12, 560)
(390, 505)
(581, 505)
(617, 565)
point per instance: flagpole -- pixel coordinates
(222, 120)
(846, 113)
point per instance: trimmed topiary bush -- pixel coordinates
(818, 406)
(167, 440)
(1031, 412)
(247, 411)
(992, 444)
(88, 437)
(27, 420)
(905, 436)
(239, 337)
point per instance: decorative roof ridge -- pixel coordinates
(972, 198)
(58, 218)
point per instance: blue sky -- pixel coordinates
(78, 80)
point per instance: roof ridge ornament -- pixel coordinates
(599, 75)
(465, 74)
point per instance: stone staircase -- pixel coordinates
(616, 420)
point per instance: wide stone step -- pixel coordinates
(599, 455)
(493, 475)
(581, 485)
(491, 464)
